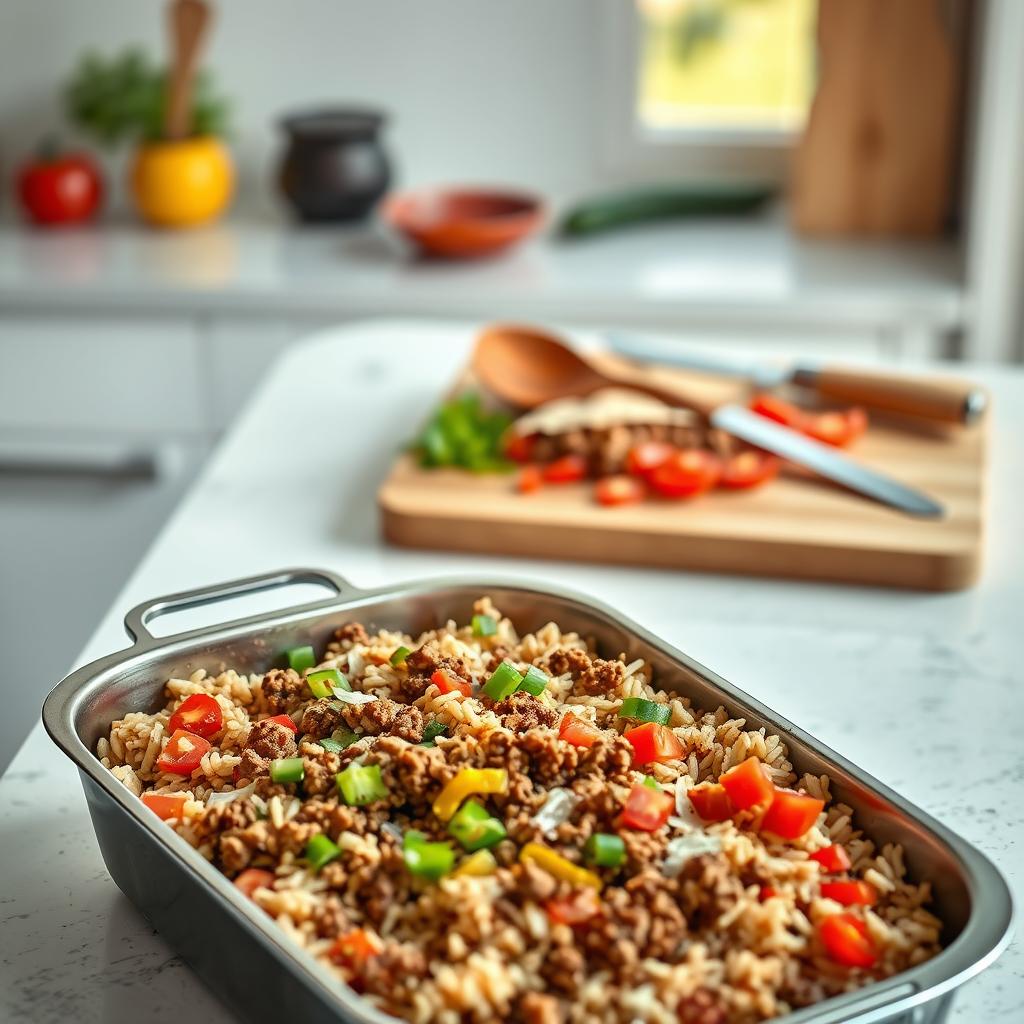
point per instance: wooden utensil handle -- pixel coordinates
(934, 399)
(188, 22)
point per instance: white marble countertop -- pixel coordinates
(726, 273)
(911, 686)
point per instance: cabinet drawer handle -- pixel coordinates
(96, 461)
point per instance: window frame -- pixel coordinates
(683, 154)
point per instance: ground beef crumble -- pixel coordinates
(284, 690)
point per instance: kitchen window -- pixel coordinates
(708, 88)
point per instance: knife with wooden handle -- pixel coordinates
(932, 398)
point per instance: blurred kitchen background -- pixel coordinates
(888, 224)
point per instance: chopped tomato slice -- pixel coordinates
(450, 684)
(747, 784)
(165, 805)
(285, 721)
(654, 742)
(711, 801)
(837, 428)
(576, 909)
(530, 479)
(647, 809)
(252, 879)
(774, 408)
(354, 948)
(790, 815)
(748, 469)
(565, 470)
(182, 754)
(619, 490)
(768, 892)
(199, 714)
(577, 732)
(850, 893)
(519, 447)
(686, 473)
(846, 940)
(648, 455)
(832, 858)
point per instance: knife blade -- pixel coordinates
(823, 460)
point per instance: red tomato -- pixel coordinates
(836, 428)
(449, 684)
(182, 754)
(748, 469)
(576, 909)
(711, 801)
(519, 447)
(775, 408)
(619, 490)
(647, 809)
(832, 858)
(354, 948)
(252, 879)
(530, 479)
(846, 940)
(687, 473)
(642, 458)
(851, 893)
(165, 805)
(768, 892)
(199, 714)
(565, 470)
(285, 721)
(64, 190)
(577, 732)
(791, 814)
(747, 785)
(653, 742)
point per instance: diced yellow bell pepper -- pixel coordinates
(555, 864)
(478, 864)
(466, 783)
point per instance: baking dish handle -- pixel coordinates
(137, 620)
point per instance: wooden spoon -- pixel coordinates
(527, 367)
(188, 23)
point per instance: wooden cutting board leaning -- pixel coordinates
(797, 526)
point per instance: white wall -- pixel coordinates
(484, 90)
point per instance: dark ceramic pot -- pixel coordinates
(334, 167)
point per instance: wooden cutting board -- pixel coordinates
(796, 526)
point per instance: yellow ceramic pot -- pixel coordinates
(178, 184)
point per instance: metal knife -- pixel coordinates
(823, 460)
(946, 401)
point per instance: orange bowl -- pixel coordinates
(464, 223)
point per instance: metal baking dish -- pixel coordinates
(255, 968)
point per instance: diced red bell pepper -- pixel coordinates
(199, 714)
(165, 805)
(576, 909)
(653, 742)
(450, 684)
(644, 457)
(565, 470)
(519, 447)
(850, 893)
(252, 879)
(832, 858)
(846, 940)
(285, 721)
(774, 408)
(576, 731)
(711, 801)
(747, 784)
(838, 428)
(647, 809)
(748, 469)
(529, 480)
(768, 892)
(790, 815)
(686, 474)
(182, 754)
(355, 948)
(619, 490)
